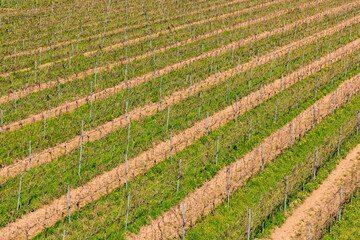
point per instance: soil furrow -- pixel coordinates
(67, 107)
(121, 30)
(42, 86)
(323, 202)
(133, 41)
(213, 192)
(147, 110)
(48, 215)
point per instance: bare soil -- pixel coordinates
(33, 223)
(322, 202)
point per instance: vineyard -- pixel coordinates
(198, 119)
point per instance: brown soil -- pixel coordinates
(101, 131)
(42, 86)
(67, 107)
(213, 192)
(117, 19)
(323, 202)
(33, 222)
(121, 30)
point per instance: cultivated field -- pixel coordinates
(198, 119)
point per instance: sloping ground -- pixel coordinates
(324, 202)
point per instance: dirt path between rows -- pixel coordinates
(48, 215)
(324, 202)
(148, 110)
(42, 86)
(129, 42)
(136, 40)
(212, 193)
(116, 19)
(67, 107)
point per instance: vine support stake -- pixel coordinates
(275, 114)
(207, 123)
(236, 113)
(341, 191)
(128, 141)
(171, 147)
(286, 191)
(68, 187)
(339, 143)
(229, 185)
(18, 201)
(126, 172)
(217, 151)
(263, 157)
(333, 109)
(249, 224)
(81, 146)
(183, 215)
(44, 126)
(2, 121)
(316, 159)
(167, 121)
(91, 100)
(250, 128)
(309, 230)
(15, 101)
(127, 211)
(178, 179)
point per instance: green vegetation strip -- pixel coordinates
(116, 75)
(153, 193)
(248, 197)
(16, 144)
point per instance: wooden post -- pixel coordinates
(309, 230)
